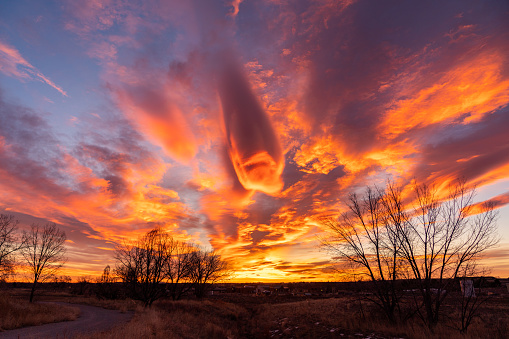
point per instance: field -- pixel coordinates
(17, 312)
(234, 315)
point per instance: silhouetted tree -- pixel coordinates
(439, 237)
(43, 251)
(429, 241)
(105, 287)
(106, 277)
(9, 243)
(146, 265)
(142, 265)
(207, 267)
(366, 238)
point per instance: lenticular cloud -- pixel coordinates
(253, 147)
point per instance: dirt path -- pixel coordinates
(92, 319)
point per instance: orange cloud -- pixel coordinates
(465, 94)
(496, 202)
(235, 4)
(160, 119)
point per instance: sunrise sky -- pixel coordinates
(239, 124)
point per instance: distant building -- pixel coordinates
(263, 290)
(467, 288)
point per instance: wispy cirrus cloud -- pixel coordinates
(14, 65)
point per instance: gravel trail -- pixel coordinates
(92, 319)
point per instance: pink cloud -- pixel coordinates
(14, 65)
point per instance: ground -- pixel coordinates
(234, 315)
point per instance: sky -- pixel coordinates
(239, 125)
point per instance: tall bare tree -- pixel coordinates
(429, 241)
(10, 242)
(43, 251)
(365, 238)
(439, 237)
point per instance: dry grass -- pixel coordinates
(273, 317)
(323, 318)
(16, 313)
(182, 319)
(328, 318)
(121, 305)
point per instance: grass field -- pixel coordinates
(16, 312)
(233, 316)
(246, 316)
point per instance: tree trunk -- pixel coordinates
(33, 291)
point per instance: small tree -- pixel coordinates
(105, 287)
(9, 243)
(106, 277)
(207, 267)
(156, 258)
(43, 251)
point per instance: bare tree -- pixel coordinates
(156, 258)
(142, 265)
(365, 238)
(106, 277)
(439, 237)
(207, 267)
(429, 242)
(9, 243)
(43, 251)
